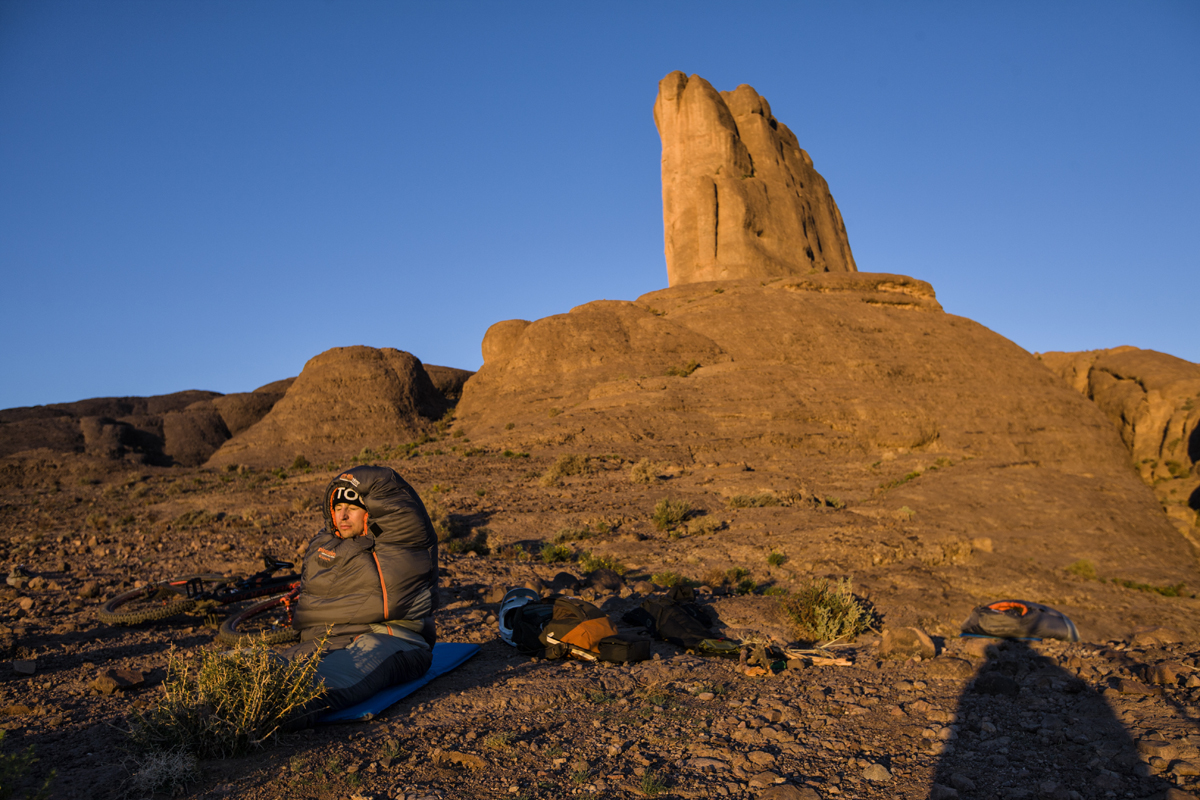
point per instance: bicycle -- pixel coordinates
(164, 599)
(269, 622)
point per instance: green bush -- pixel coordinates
(760, 500)
(229, 704)
(553, 553)
(1083, 569)
(300, 462)
(646, 471)
(668, 579)
(683, 370)
(566, 465)
(671, 513)
(589, 563)
(776, 559)
(14, 766)
(571, 535)
(826, 610)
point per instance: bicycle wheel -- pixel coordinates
(269, 621)
(157, 601)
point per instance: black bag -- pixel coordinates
(561, 626)
(620, 649)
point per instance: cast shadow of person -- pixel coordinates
(1027, 728)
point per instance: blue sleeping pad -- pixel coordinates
(446, 657)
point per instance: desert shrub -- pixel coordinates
(477, 543)
(1175, 590)
(447, 526)
(1083, 569)
(300, 462)
(589, 562)
(13, 768)
(652, 784)
(669, 514)
(227, 704)
(97, 521)
(825, 610)
(776, 559)
(646, 471)
(683, 370)
(553, 553)
(169, 772)
(566, 465)
(760, 500)
(899, 481)
(668, 579)
(514, 552)
(704, 525)
(571, 535)
(514, 454)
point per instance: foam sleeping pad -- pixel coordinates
(446, 657)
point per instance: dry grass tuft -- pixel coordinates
(228, 703)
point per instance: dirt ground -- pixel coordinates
(1113, 716)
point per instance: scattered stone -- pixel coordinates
(1165, 674)
(1154, 636)
(877, 773)
(89, 589)
(16, 710)
(962, 783)
(764, 779)
(940, 792)
(1127, 686)
(24, 666)
(113, 680)
(1185, 768)
(468, 760)
(605, 580)
(905, 643)
(25, 603)
(760, 757)
(787, 791)
(994, 683)
(708, 764)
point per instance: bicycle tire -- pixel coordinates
(268, 622)
(154, 603)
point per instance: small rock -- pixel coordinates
(705, 696)
(760, 758)
(89, 589)
(17, 710)
(494, 594)
(605, 579)
(962, 783)
(1187, 768)
(37, 583)
(24, 667)
(787, 791)
(1127, 686)
(877, 773)
(1154, 636)
(764, 779)
(994, 683)
(1177, 794)
(708, 764)
(25, 603)
(939, 792)
(645, 587)
(112, 680)
(1166, 674)
(906, 642)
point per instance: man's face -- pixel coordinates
(348, 519)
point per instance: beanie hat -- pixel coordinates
(345, 494)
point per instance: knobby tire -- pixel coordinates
(158, 602)
(255, 624)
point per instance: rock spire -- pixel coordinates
(740, 198)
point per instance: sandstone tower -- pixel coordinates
(740, 198)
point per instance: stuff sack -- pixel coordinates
(1019, 619)
(564, 626)
(678, 619)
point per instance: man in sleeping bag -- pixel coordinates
(369, 585)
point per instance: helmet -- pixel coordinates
(513, 600)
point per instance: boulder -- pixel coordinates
(740, 198)
(1153, 400)
(905, 643)
(344, 400)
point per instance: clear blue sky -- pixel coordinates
(207, 194)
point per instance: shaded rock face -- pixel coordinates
(943, 440)
(449, 381)
(344, 399)
(740, 198)
(182, 428)
(1153, 399)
